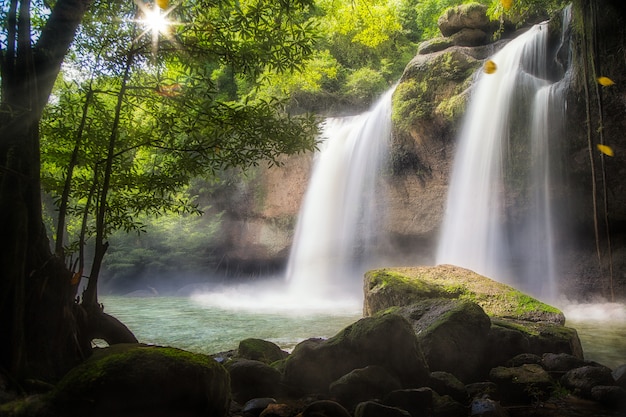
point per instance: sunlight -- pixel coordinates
(154, 19)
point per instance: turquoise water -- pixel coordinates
(210, 325)
(191, 324)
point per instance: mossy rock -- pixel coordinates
(390, 287)
(134, 379)
(260, 350)
(452, 334)
(387, 340)
(429, 82)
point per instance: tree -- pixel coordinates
(47, 331)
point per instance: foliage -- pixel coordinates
(148, 111)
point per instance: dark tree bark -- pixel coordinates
(39, 332)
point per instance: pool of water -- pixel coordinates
(211, 323)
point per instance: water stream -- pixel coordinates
(339, 217)
(501, 200)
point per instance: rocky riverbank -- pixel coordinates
(439, 341)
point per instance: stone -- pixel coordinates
(509, 338)
(446, 406)
(278, 410)
(255, 406)
(523, 359)
(363, 384)
(445, 383)
(417, 401)
(434, 45)
(523, 384)
(387, 340)
(129, 378)
(452, 334)
(610, 396)
(384, 288)
(619, 375)
(561, 362)
(253, 379)
(582, 380)
(482, 389)
(486, 407)
(325, 408)
(260, 350)
(472, 15)
(374, 409)
(469, 37)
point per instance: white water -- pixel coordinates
(337, 224)
(503, 162)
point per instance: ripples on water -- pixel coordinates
(215, 322)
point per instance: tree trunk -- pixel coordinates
(37, 311)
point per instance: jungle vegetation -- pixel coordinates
(122, 112)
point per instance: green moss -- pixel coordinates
(406, 285)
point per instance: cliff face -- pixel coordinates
(429, 104)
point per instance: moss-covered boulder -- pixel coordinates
(387, 340)
(260, 350)
(144, 380)
(453, 334)
(390, 287)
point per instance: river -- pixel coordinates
(201, 325)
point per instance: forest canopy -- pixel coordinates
(155, 108)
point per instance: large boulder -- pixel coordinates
(390, 287)
(453, 335)
(387, 340)
(144, 380)
(465, 16)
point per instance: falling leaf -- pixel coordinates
(607, 150)
(76, 278)
(506, 4)
(163, 3)
(605, 81)
(490, 67)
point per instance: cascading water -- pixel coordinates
(499, 218)
(337, 224)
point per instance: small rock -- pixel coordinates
(374, 409)
(482, 389)
(444, 383)
(446, 406)
(610, 396)
(485, 407)
(260, 350)
(416, 401)
(522, 384)
(619, 375)
(278, 410)
(363, 384)
(582, 380)
(561, 362)
(325, 408)
(524, 359)
(255, 406)
(253, 379)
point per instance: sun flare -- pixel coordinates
(155, 20)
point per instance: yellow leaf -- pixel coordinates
(605, 81)
(163, 3)
(506, 4)
(490, 67)
(607, 150)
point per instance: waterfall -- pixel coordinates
(337, 223)
(501, 208)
